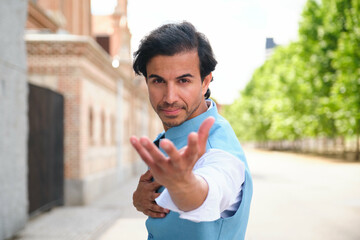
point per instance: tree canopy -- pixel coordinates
(311, 87)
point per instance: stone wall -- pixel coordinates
(13, 118)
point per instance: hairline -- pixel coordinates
(194, 49)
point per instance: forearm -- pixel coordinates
(189, 194)
(174, 171)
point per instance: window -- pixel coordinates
(104, 42)
(103, 128)
(113, 129)
(91, 126)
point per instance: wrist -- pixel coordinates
(190, 194)
(184, 185)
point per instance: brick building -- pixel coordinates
(68, 107)
(70, 52)
(13, 118)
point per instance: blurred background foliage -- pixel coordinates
(309, 88)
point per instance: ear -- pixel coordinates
(206, 83)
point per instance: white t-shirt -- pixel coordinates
(225, 175)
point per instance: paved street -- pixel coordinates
(112, 217)
(131, 224)
(295, 197)
(303, 197)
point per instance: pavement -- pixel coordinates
(295, 197)
(299, 196)
(111, 217)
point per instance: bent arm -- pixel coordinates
(175, 170)
(190, 194)
(224, 174)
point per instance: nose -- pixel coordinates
(171, 95)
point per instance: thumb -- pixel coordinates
(203, 134)
(147, 176)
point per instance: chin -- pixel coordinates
(174, 123)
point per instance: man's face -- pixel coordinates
(175, 88)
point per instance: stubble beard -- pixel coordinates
(170, 124)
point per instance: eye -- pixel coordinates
(183, 80)
(158, 80)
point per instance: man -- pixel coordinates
(198, 186)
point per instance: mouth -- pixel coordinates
(171, 111)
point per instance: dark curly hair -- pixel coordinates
(171, 39)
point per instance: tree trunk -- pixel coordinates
(343, 146)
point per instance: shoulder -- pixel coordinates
(222, 127)
(223, 137)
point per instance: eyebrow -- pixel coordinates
(155, 76)
(184, 75)
(179, 77)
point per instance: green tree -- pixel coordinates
(310, 88)
(346, 91)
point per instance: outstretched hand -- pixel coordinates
(174, 170)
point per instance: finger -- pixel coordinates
(171, 151)
(203, 133)
(192, 150)
(145, 156)
(146, 177)
(154, 151)
(156, 208)
(155, 195)
(154, 214)
(155, 186)
(182, 150)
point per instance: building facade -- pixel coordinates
(104, 104)
(67, 54)
(270, 46)
(13, 118)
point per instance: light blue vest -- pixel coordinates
(172, 227)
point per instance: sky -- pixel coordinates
(237, 31)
